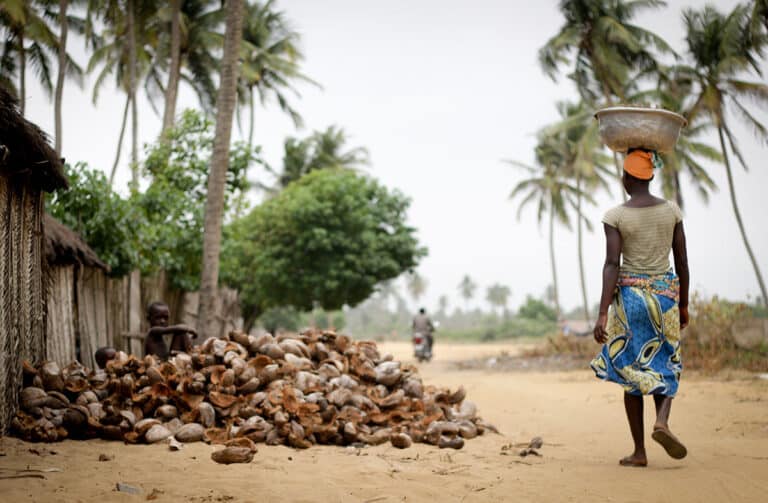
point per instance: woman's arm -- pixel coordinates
(610, 278)
(680, 254)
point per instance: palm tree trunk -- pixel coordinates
(131, 27)
(619, 172)
(22, 73)
(214, 205)
(252, 106)
(120, 141)
(580, 234)
(737, 214)
(552, 261)
(63, 4)
(678, 191)
(619, 167)
(174, 73)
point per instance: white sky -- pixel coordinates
(440, 91)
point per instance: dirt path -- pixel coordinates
(581, 420)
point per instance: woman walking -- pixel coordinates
(641, 337)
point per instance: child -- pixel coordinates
(158, 315)
(103, 355)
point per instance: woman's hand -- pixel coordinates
(683, 317)
(601, 336)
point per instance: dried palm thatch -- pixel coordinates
(63, 246)
(28, 166)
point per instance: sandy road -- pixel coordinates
(724, 424)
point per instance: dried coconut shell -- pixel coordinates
(230, 455)
(192, 432)
(207, 414)
(156, 434)
(32, 397)
(242, 442)
(143, 426)
(166, 412)
(51, 376)
(401, 440)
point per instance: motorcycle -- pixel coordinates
(421, 350)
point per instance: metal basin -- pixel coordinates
(622, 128)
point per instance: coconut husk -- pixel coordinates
(295, 390)
(230, 455)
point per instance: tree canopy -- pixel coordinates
(326, 240)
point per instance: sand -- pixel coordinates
(724, 423)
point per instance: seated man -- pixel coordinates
(158, 315)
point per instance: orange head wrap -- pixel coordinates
(639, 164)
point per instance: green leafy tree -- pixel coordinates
(174, 202)
(108, 223)
(534, 309)
(327, 240)
(162, 227)
(723, 49)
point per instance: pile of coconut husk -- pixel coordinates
(317, 387)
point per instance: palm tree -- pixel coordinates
(417, 285)
(723, 49)
(553, 192)
(123, 48)
(189, 40)
(467, 289)
(174, 72)
(271, 61)
(442, 305)
(321, 150)
(27, 40)
(674, 88)
(214, 205)
(573, 145)
(65, 64)
(498, 295)
(609, 53)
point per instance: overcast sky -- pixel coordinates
(440, 92)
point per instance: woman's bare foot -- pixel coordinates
(669, 442)
(636, 460)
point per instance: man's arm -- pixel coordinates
(173, 329)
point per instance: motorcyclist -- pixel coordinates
(423, 325)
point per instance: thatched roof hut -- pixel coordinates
(63, 246)
(26, 158)
(28, 167)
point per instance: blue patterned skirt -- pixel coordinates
(643, 349)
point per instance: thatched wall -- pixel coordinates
(62, 315)
(28, 166)
(22, 308)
